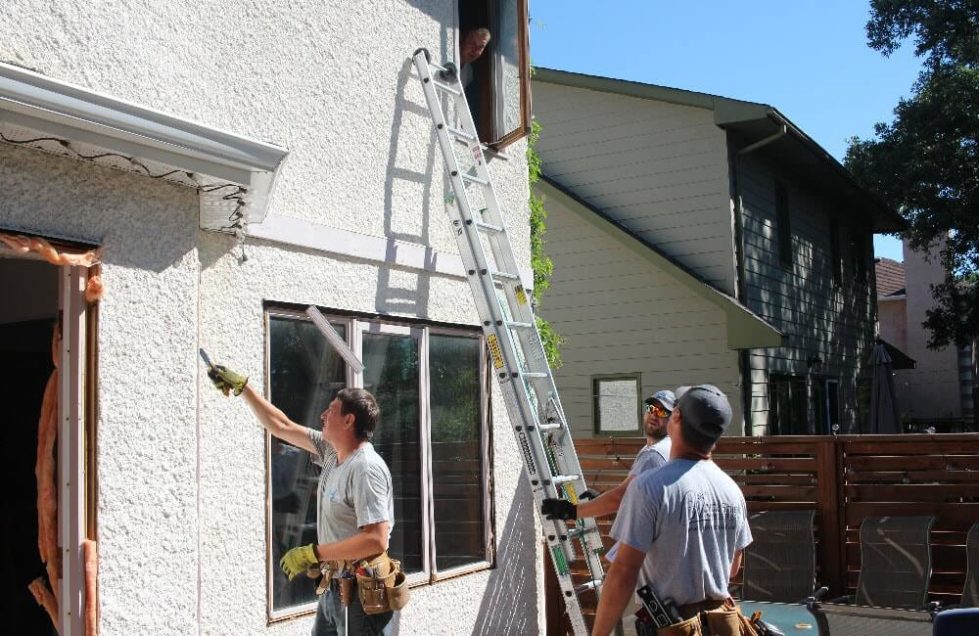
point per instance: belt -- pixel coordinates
(692, 609)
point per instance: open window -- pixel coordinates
(498, 85)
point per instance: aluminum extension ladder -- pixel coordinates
(511, 334)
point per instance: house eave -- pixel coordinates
(745, 329)
(43, 113)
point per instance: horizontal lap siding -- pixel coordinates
(818, 317)
(619, 313)
(659, 169)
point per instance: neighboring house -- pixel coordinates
(133, 129)
(696, 239)
(940, 386)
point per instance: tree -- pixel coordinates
(925, 163)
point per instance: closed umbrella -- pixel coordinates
(883, 402)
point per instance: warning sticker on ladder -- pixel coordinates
(521, 295)
(494, 346)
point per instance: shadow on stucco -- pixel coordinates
(509, 603)
(404, 291)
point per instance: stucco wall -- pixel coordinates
(181, 499)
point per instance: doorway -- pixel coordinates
(27, 319)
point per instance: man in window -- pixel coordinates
(354, 501)
(654, 454)
(682, 528)
(471, 48)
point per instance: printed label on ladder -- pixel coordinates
(521, 295)
(495, 353)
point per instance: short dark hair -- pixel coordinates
(362, 405)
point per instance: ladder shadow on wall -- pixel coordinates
(407, 203)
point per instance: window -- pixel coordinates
(860, 252)
(836, 260)
(782, 227)
(499, 92)
(431, 385)
(618, 410)
(787, 405)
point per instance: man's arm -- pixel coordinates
(372, 539)
(276, 422)
(735, 565)
(606, 503)
(619, 586)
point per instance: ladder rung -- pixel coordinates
(563, 479)
(462, 134)
(574, 533)
(447, 88)
(587, 585)
(489, 227)
(505, 276)
(549, 427)
(474, 178)
(520, 325)
(535, 374)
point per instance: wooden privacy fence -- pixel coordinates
(844, 479)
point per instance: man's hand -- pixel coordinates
(562, 509)
(297, 560)
(227, 380)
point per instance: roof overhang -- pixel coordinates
(745, 329)
(234, 175)
(752, 122)
(899, 359)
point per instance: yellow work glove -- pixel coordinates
(227, 380)
(297, 560)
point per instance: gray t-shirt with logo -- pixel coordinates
(350, 495)
(690, 519)
(651, 456)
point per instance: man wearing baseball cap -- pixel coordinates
(681, 528)
(656, 452)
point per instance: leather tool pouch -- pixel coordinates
(386, 591)
(689, 627)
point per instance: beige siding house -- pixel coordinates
(700, 192)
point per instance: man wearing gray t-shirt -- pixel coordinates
(680, 528)
(354, 499)
(654, 454)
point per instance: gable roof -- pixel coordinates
(745, 329)
(751, 121)
(890, 277)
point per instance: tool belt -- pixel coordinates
(380, 582)
(709, 618)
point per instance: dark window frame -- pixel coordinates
(355, 326)
(783, 224)
(596, 407)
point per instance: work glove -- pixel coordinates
(297, 560)
(227, 380)
(562, 509)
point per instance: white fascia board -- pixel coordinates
(33, 101)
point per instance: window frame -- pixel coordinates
(501, 141)
(596, 419)
(356, 325)
(835, 255)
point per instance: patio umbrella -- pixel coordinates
(883, 405)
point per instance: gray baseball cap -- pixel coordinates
(705, 412)
(664, 397)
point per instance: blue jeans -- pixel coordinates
(330, 617)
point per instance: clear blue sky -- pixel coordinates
(807, 58)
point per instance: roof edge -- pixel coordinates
(745, 329)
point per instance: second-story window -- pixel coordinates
(836, 259)
(495, 67)
(783, 228)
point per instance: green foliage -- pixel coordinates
(926, 162)
(541, 264)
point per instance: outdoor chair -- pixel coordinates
(780, 562)
(970, 592)
(957, 622)
(834, 619)
(895, 562)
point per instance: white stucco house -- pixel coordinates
(236, 164)
(698, 238)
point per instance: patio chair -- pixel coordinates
(970, 593)
(895, 562)
(780, 563)
(957, 622)
(834, 619)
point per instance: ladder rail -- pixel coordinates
(519, 361)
